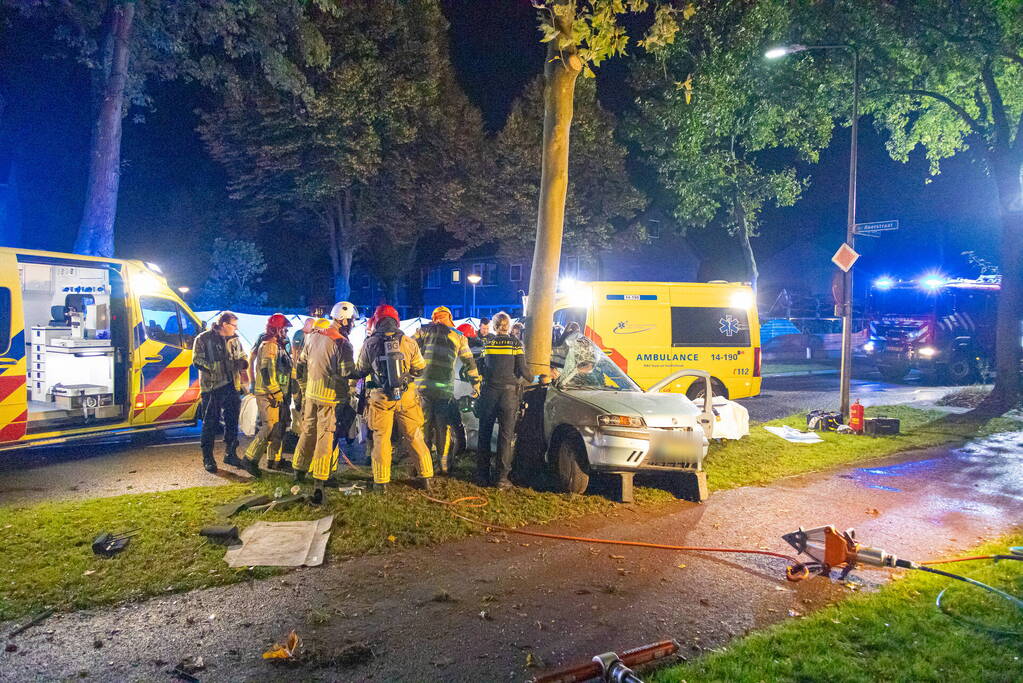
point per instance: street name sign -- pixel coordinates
(877, 226)
(845, 257)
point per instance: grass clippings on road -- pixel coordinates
(895, 634)
(48, 561)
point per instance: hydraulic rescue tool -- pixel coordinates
(830, 549)
(611, 667)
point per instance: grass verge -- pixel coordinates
(763, 457)
(895, 634)
(48, 559)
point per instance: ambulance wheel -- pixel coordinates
(893, 373)
(960, 370)
(698, 388)
(572, 463)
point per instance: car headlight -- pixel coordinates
(927, 351)
(620, 421)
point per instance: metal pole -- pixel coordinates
(474, 299)
(850, 239)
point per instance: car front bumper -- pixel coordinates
(633, 449)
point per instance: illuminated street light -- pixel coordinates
(184, 290)
(850, 230)
(474, 279)
(782, 50)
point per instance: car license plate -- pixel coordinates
(669, 444)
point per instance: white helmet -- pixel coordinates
(344, 310)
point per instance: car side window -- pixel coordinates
(166, 322)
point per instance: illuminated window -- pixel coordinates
(456, 275)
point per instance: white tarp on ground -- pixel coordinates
(794, 435)
(282, 544)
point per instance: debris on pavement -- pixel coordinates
(285, 650)
(191, 665)
(282, 544)
(36, 619)
(355, 489)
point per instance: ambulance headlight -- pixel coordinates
(146, 283)
(742, 299)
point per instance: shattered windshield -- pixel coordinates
(588, 368)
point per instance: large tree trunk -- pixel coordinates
(96, 231)
(747, 249)
(560, 73)
(1008, 171)
(337, 219)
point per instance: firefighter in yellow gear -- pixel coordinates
(391, 361)
(272, 373)
(443, 347)
(329, 360)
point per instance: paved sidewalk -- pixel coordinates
(484, 608)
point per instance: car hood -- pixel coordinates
(659, 410)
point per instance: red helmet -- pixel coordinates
(385, 311)
(468, 330)
(277, 321)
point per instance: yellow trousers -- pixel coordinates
(316, 441)
(268, 438)
(382, 416)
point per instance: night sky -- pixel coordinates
(173, 197)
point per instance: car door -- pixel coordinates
(13, 389)
(168, 384)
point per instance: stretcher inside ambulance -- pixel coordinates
(90, 345)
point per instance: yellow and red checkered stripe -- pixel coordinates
(171, 383)
(13, 406)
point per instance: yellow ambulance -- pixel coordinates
(90, 346)
(652, 329)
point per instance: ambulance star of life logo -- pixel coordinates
(729, 326)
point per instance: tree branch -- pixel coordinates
(998, 114)
(1013, 57)
(975, 125)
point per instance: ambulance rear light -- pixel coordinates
(756, 361)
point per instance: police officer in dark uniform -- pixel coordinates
(503, 366)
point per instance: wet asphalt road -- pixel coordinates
(115, 467)
(484, 608)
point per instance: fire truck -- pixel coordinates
(943, 327)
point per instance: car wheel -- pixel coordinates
(573, 465)
(698, 388)
(893, 373)
(960, 370)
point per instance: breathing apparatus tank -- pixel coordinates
(389, 368)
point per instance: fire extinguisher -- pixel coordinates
(856, 417)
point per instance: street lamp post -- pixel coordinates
(850, 226)
(474, 279)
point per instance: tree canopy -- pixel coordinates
(357, 152)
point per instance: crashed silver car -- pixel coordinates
(596, 419)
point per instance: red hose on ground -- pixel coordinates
(796, 571)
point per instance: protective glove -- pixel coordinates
(275, 398)
(476, 390)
